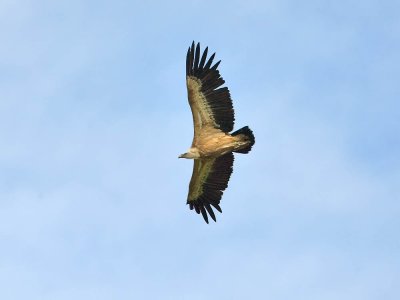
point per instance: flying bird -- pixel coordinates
(213, 146)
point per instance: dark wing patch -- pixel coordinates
(218, 99)
(209, 179)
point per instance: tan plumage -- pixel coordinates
(212, 146)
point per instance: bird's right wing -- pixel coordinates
(209, 179)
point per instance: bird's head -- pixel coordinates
(191, 154)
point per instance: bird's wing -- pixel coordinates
(209, 179)
(211, 105)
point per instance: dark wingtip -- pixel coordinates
(209, 62)
(196, 59)
(214, 67)
(210, 212)
(204, 213)
(217, 207)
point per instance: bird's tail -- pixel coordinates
(246, 136)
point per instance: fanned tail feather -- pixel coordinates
(247, 136)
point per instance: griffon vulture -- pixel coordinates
(212, 145)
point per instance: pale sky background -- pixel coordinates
(93, 115)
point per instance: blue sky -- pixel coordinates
(93, 114)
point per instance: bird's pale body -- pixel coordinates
(213, 142)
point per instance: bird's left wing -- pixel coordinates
(211, 104)
(209, 179)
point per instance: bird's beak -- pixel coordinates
(182, 155)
